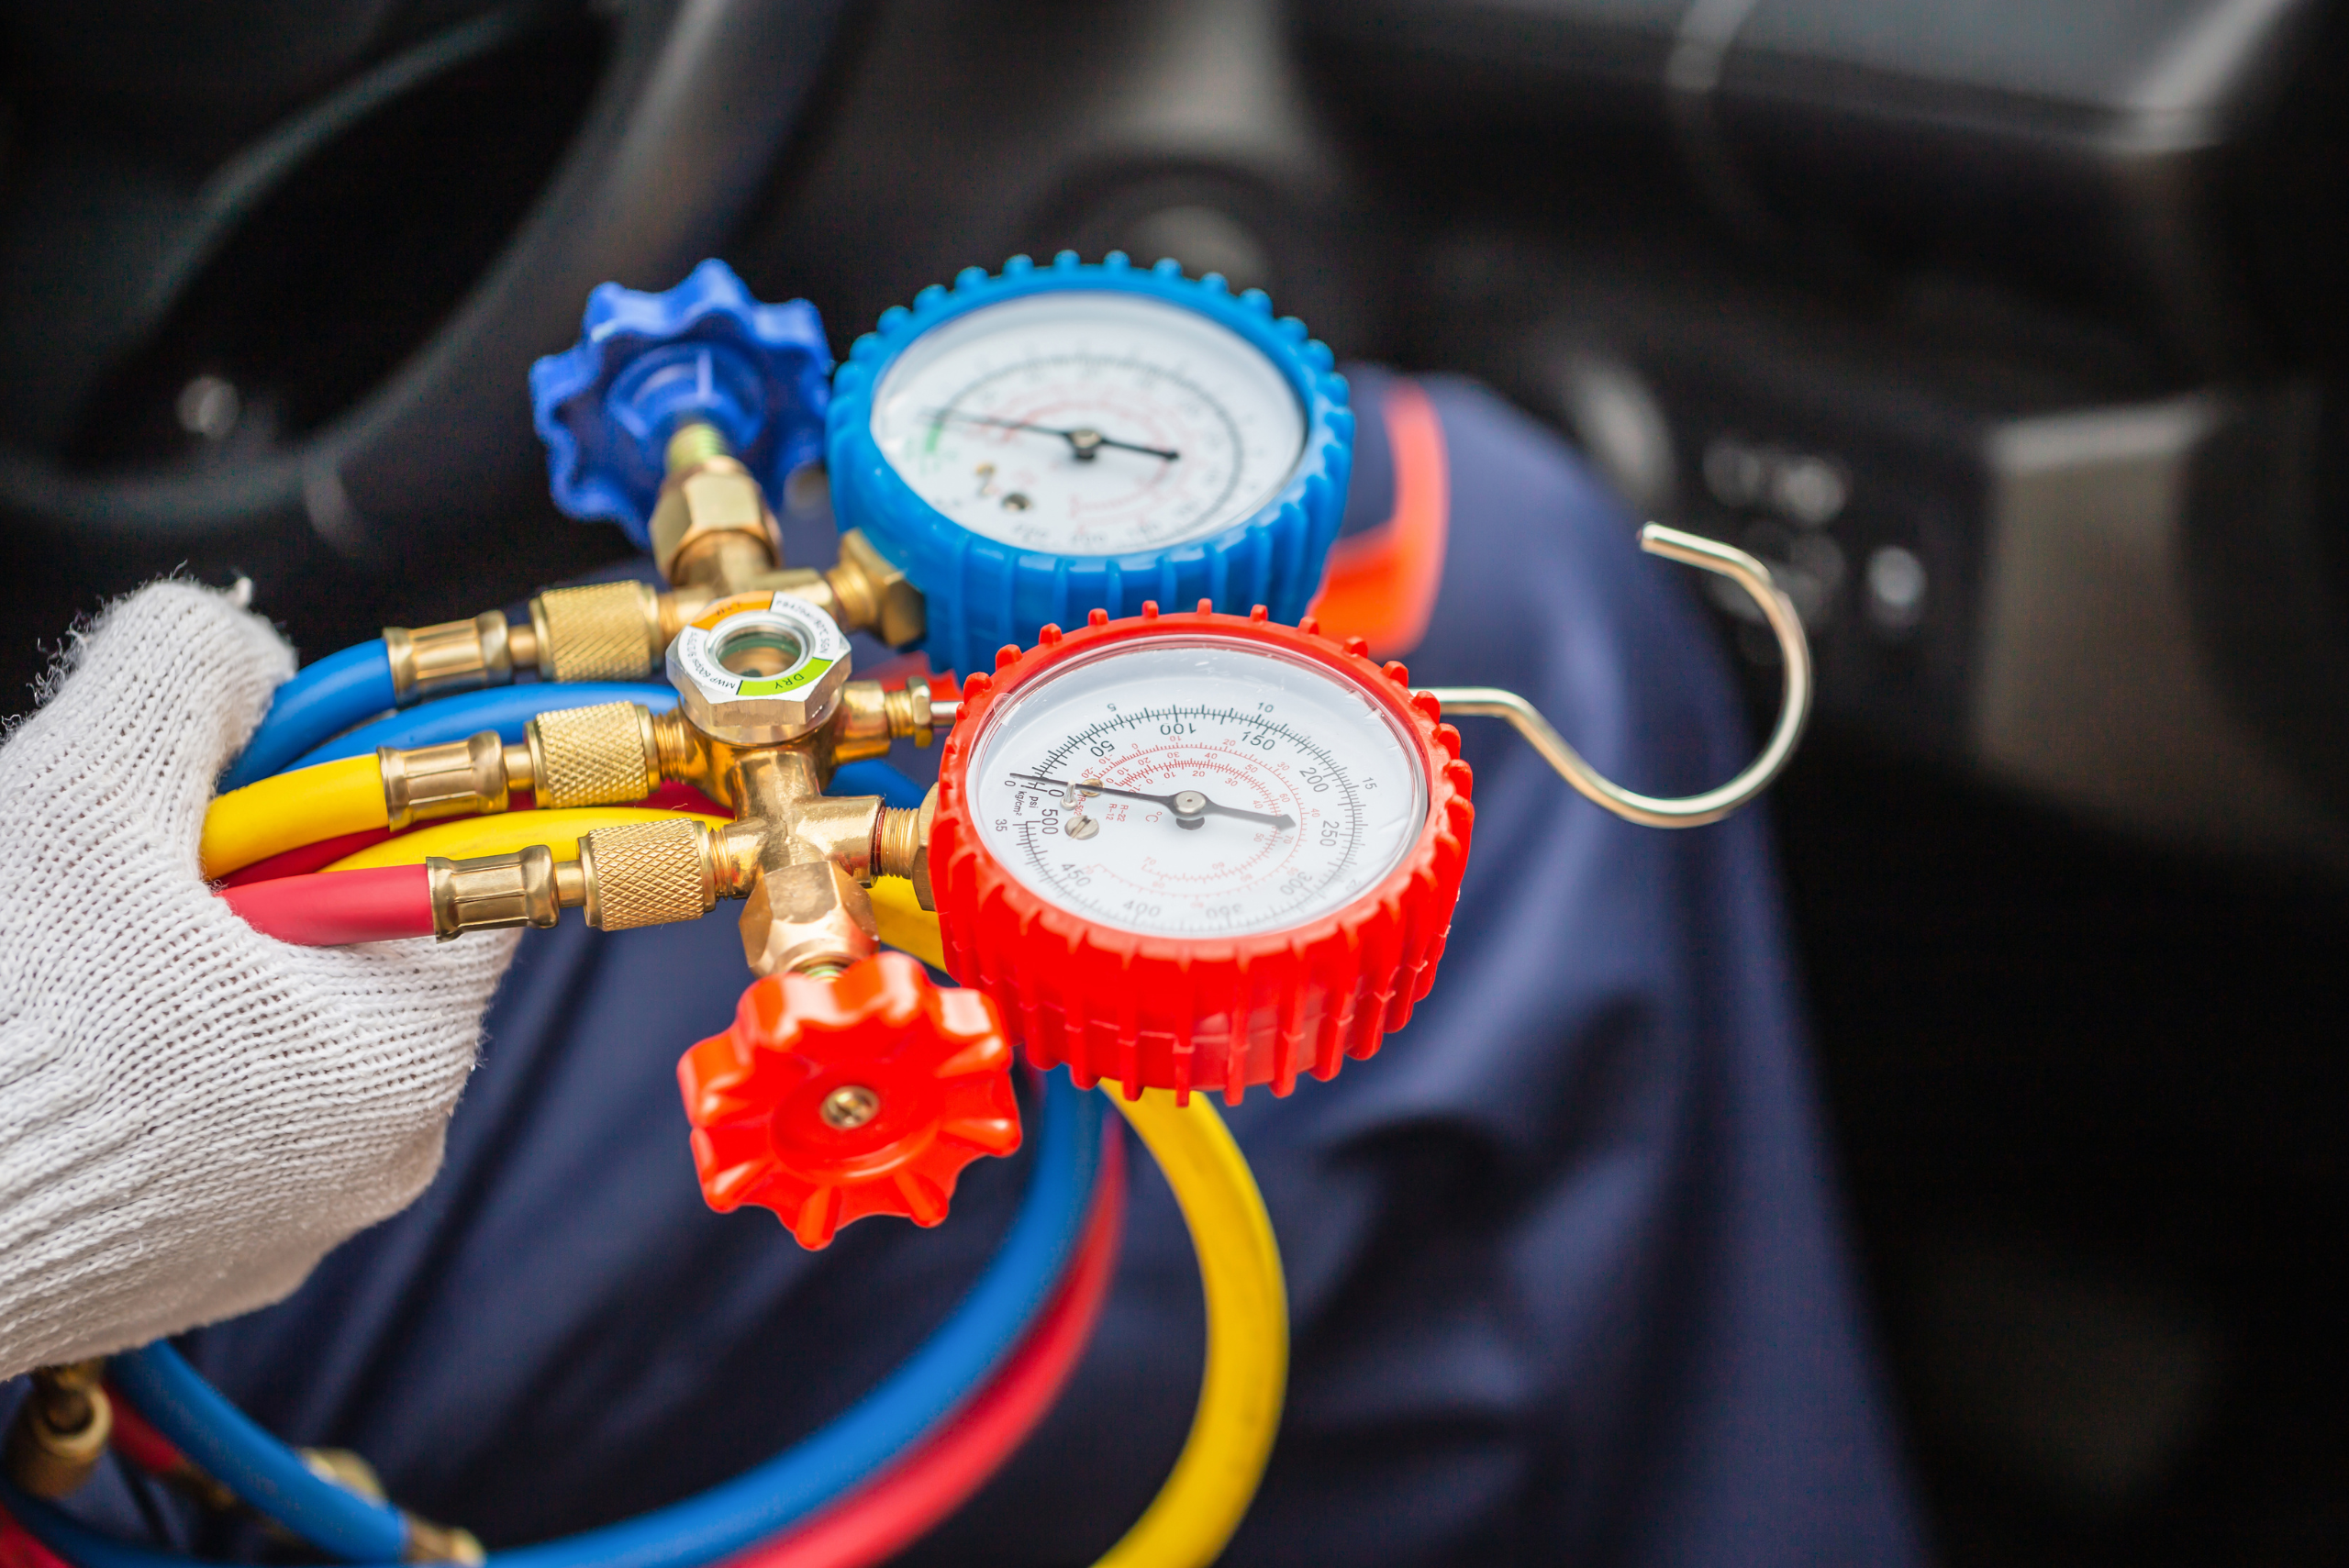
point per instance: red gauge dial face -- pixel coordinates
(1196, 787)
(1198, 851)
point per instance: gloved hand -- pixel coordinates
(191, 1113)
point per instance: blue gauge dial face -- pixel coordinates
(1087, 422)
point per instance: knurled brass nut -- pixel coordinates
(598, 631)
(603, 754)
(758, 669)
(647, 874)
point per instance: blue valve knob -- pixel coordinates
(647, 363)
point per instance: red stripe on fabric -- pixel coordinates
(935, 1478)
(1381, 583)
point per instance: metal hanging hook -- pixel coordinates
(1687, 811)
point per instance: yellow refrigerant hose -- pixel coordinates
(464, 838)
(1242, 1388)
(289, 811)
(1215, 1477)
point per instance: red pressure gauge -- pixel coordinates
(1198, 850)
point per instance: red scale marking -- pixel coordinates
(1166, 765)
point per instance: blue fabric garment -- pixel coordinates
(1564, 1259)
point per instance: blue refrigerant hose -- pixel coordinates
(503, 709)
(772, 1496)
(325, 699)
(507, 708)
(239, 1453)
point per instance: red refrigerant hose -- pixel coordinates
(306, 858)
(924, 1486)
(330, 908)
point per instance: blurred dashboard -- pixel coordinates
(2010, 331)
(2006, 330)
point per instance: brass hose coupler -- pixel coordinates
(458, 778)
(523, 888)
(455, 656)
(636, 873)
(426, 1541)
(61, 1430)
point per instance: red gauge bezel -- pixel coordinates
(1157, 1011)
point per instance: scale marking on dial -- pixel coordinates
(1228, 791)
(1087, 422)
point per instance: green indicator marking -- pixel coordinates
(782, 684)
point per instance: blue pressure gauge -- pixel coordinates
(1034, 446)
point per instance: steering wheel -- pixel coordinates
(693, 101)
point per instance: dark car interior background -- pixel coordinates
(2011, 333)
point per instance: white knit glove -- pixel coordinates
(191, 1113)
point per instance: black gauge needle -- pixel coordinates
(1082, 440)
(1189, 806)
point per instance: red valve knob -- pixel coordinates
(830, 1100)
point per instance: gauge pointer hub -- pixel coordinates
(1083, 441)
(1191, 808)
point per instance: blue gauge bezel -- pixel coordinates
(981, 594)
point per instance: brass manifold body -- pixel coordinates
(800, 858)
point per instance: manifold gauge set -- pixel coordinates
(1183, 843)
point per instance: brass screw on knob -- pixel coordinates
(849, 1106)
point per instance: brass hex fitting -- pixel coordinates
(870, 717)
(519, 889)
(840, 828)
(711, 525)
(602, 755)
(910, 713)
(604, 631)
(874, 593)
(805, 916)
(648, 874)
(454, 656)
(61, 1430)
(860, 726)
(458, 778)
(919, 872)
